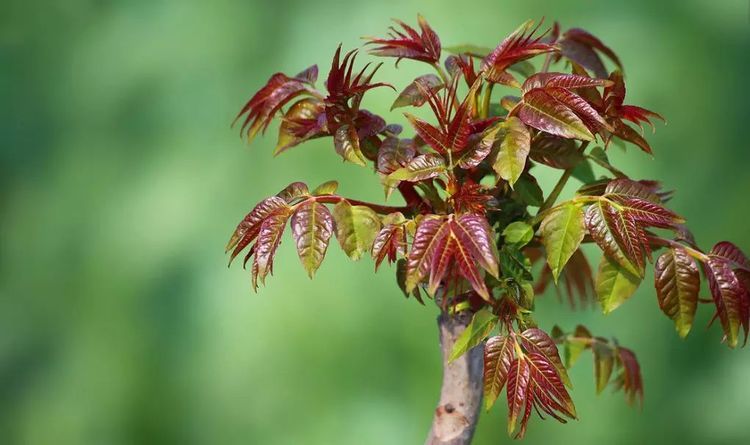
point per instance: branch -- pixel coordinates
(457, 413)
(382, 209)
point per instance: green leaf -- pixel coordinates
(346, 142)
(562, 232)
(529, 191)
(326, 188)
(511, 159)
(478, 329)
(604, 362)
(576, 344)
(584, 173)
(420, 168)
(614, 284)
(518, 233)
(356, 228)
(468, 48)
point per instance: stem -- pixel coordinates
(441, 72)
(383, 210)
(555, 193)
(547, 60)
(486, 99)
(457, 412)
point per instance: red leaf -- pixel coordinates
(445, 249)
(390, 242)
(474, 232)
(394, 153)
(248, 228)
(520, 45)
(579, 46)
(269, 238)
(732, 253)
(562, 80)
(304, 120)
(728, 294)
(409, 43)
(677, 285)
(517, 389)
(649, 214)
(537, 341)
(429, 232)
(615, 112)
(413, 95)
(312, 227)
(433, 136)
(542, 111)
(632, 382)
(498, 354)
(607, 235)
(262, 107)
(628, 188)
(343, 85)
(576, 280)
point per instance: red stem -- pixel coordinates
(384, 210)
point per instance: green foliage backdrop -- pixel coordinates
(120, 181)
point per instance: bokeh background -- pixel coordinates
(120, 181)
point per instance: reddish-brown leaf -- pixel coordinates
(394, 153)
(409, 43)
(628, 188)
(390, 242)
(498, 355)
(536, 340)
(520, 45)
(413, 95)
(312, 227)
(269, 238)
(731, 253)
(677, 283)
(606, 234)
(581, 47)
(429, 232)
(474, 232)
(262, 107)
(540, 110)
(632, 382)
(303, 121)
(728, 294)
(517, 390)
(248, 228)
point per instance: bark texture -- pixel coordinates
(457, 412)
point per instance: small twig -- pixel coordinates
(555, 193)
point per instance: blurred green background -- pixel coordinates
(120, 182)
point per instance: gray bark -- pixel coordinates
(457, 412)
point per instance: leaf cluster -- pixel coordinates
(475, 228)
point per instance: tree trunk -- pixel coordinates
(457, 412)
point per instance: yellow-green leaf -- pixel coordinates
(356, 228)
(614, 285)
(562, 232)
(518, 233)
(511, 159)
(326, 188)
(346, 143)
(478, 329)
